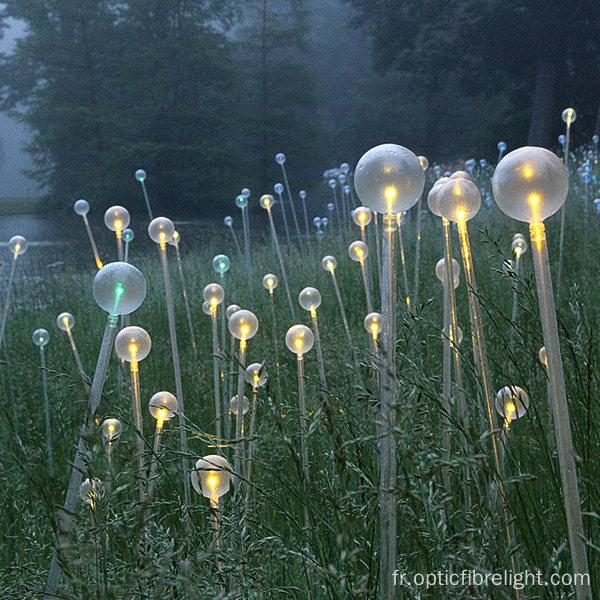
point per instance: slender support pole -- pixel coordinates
(11, 278)
(418, 252)
(250, 446)
(237, 242)
(289, 192)
(154, 462)
(515, 284)
(447, 368)
(281, 265)
(377, 244)
(387, 443)
(119, 244)
(560, 409)
(303, 417)
(146, 199)
(363, 269)
(216, 373)
(137, 413)
(239, 447)
(341, 305)
(285, 221)
(47, 414)
(303, 198)
(338, 213)
(249, 273)
(92, 242)
(562, 213)
(78, 360)
(186, 302)
(319, 348)
(403, 261)
(177, 371)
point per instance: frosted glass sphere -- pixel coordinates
(310, 298)
(317, 222)
(483, 163)
(175, 239)
(40, 337)
(470, 164)
(214, 294)
(299, 339)
(440, 269)
(278, 187)
(128, 235)
(270, 282)
(116, 218)
(459, 336)
(460, 175)
(512, 402)
(519, 243)
(346, 189)
(562, 139)
(502, 146)
(91, 491)
(372, 323)
(459, 200)
(266, 201)
(362, 216)
(530, 184)
(206, 308)
(231, 310)
(342, 179)
(256, 375)
(329, 263)
(246, 193)
(543, 357)
(81, 207)
(212, 476)
(119, 288)
(221, 263)
(432, 197)
(17, 245)
(424, 162)
(358, 251)
(325, 221)
(345, 168)
(595, 139)
(389, 179)
(330, 207)
(140, 174)
(332, 183)
(133, 344)
(569, 115)
(241, 201)
(234, 405)
(243, 325)
(161, 230)
(163, 406)
(437, 170)
(228, 221)
(280, 158)
(111, 429)
(302, 194)
(65, 321)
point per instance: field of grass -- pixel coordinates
(111, 553)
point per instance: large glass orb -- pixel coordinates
(231, 310)
(569, 115)
(362, 216)
(128, 235)
(163, 406)
(133, 344)
(280, 158)
(65, 321)
(111, 429)
(299, 339)
(530, 184)
(212, 476)
(119, 288)
(461, 175)
(266, 201)
(372, 323)
(256, 375)
(270, 281)
(440, 270)
(81, 207)
(512, 402)
(40, 337)
(140, 175)
(432, 197)
(214, 294)
(459, 200)
(310, 298)
(17, 245)
(389, 179)
(116, 218)
(234, 406)
(161, 230)
(329, 263)
(221, 264)
(243, 325)
(358, 251)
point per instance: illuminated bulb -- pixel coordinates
(342, 179)
(329, 263)
(221, 264)
(459, 200)
(512, 402)
(270, 282)
(332, 183)
(299, 339)
(502, 146)
(280, 158)
(461, 175)
(163, 406)
(140, 175)
(161, 230)
(278, 187)
(133, 344)
(234, 405)
(65, 321)
(266, 201)
(231, 310)
(111, 429)
(432, 202)
(569, 115)
(116, 218)
(243, 325)
(228, 221)
(310, 298)
(119, 288)
(358, 251)
(206, 308)
(330, 208)
(519, 243)
(91, 492)
(362, 216)
(440, 270)
(128, 235)
(81, 207)
(530, 184)
(214, 294)
(211, 476)
(345, 168)
(372, 324)
(241, 201)
(40, 337)
(17, 245)
(256, 375)
(175, 239)
(542, 356)
(424, 162)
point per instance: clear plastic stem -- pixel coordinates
(365, 277)
(305, 217)
(92, 242)
(418, 252)
(303, 418)
(216, 373)
(147, 200)
(562, 215)
(11, 278)
(154, 462)
(239, 421)
(281, 265)
(237, 242)
(49, 446)
(119, 245)
(403, 261)
(137, 414)
(250, 448)
(186, 302)
(515, 286)
(289, 193)
(285, 221)
(341, 305)
(377, 243)
(319, 349)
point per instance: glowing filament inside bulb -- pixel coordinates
(118, 225)
(460, 214)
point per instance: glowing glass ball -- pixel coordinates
(330, 207)
(175, 239)
(119, 288)
(280, 158)
(342, 179)
(483, 163)
(212, 476)
(512, 402)
(299, 339)
(389, 179)
(116, 218)
(460, 175)
(345, 168)
(346, 189)
(65, 321)
(437, 170)
(231, 310)
(362, 216)
(133, 344)
(459, 200)
(266, 201)
(530, 184)
(502, 146)
(228, 221)
(270, 282)
(372, 323)
(241, 201)
(432, 197)
(246, 193)
(332, 183)
(91, 491)
(358, 251)
(317, 222)
(163, 406)
(278, 187)
(221, 264)
(214, 294)
(569, 115)
(128, 235)
(325, 220)
(440, 269)
(329, 263)
(256, 375)
(310, 298)
(562, 139)
(40, 337)
(543, 357)
(243, 325)
(111, 429)
(234, 406)
(424, 162)
(17, 245)
(161, 230)
(302, 194)
(81, 207)
(140, 174)
(519, 243)
(206, 308)
(595, 139)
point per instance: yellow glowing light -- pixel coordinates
(133, 349)
(460, 214)
(534, 199)
(330, 265)
(111, 428)
(17, 248)
(245, 329)
(213, 481)
(118, 224)
(175, 235)
(299, 344)
(362, 217)
(66, 320)
(390, 193)
(375, 328)
(162, 413)
(270, 282)
(510, 407)
(214, 301)
(528, 172)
